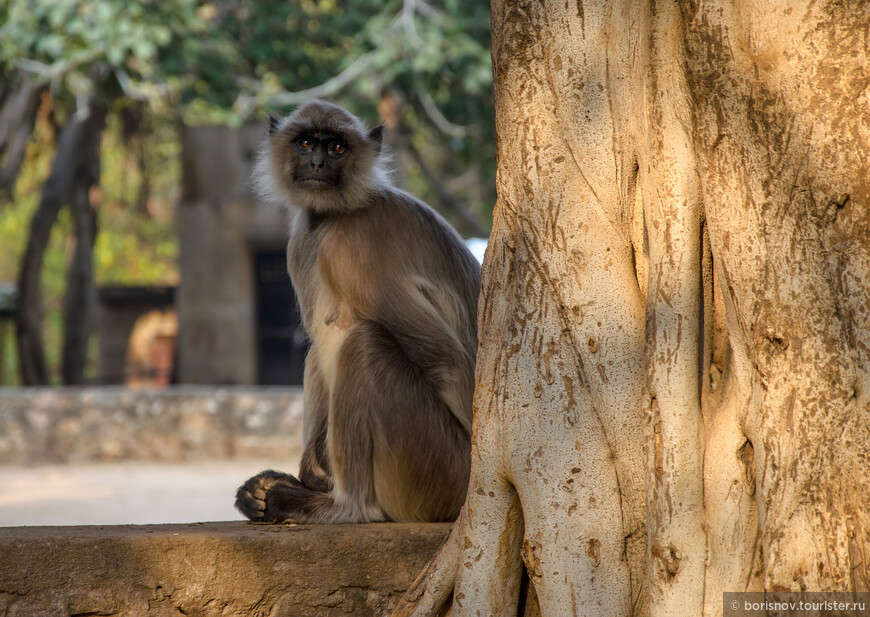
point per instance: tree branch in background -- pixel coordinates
(469, 223)
(133, 133)
(17, 118)
(328, 88)
(390, 112)
(409, 9)
(438, 119)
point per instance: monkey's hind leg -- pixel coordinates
(275, 497)
(288, 497)
(347, 431)
(395, 449)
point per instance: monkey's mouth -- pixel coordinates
(314, 183)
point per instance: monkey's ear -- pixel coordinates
(377, 136)
(274, 123)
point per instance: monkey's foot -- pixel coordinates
(251, 496)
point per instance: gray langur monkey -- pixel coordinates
(388, 296)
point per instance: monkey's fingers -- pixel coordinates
(251, 500)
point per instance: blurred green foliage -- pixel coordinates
(64, 40)
(226, 61)
(205, 58)
(137, 242)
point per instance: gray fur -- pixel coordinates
(388, 295)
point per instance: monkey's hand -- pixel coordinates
(251, 496)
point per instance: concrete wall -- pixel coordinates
(61, 425)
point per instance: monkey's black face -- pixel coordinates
(320, 159)
(323, 158)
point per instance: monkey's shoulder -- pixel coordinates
(389, 216)
(407, 219)
(393, 233)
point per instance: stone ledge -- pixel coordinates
(212, 569)
(178, 424)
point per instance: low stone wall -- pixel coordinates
(74, 425)
(212, 569)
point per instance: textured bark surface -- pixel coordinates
(672, 386)
(782, 135)
(212, 569)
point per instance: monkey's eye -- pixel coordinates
(337, 148)
(305, 144)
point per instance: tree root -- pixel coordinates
(432, 592)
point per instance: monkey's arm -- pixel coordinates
(430, 341)
(314, 471)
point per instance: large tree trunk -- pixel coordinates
(672, 385)
(781, 111)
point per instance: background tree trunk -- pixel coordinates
(79, 131)
(672, 383)
(80, 298)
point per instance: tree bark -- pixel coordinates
(672, 385)
(28, 319)
(781, 120)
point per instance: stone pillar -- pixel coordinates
(216, 343)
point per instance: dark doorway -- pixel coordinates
(281, 341)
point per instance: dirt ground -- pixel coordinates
(119, 493)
